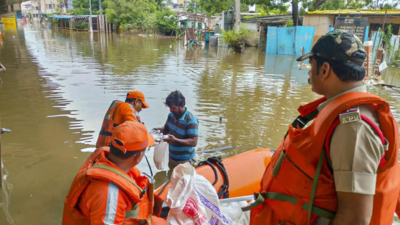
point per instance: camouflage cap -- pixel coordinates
(338, 45)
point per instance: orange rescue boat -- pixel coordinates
(244, 172)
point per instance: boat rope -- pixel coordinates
(162, 189)
(212, 167)
(216, 161)
(212, 162)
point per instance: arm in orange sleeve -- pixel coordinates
(127, 112)
(107, 204)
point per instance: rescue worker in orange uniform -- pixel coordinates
(338, 162)
(108, 188)
(119, 112)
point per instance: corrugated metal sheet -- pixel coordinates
(304, 38)
(282, 40)
(285, 41)
(376, 39)
(355, 12)
(366, 33)
(271, 40)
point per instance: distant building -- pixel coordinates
(259, 25)
(323, 20)
(181, 3)
(40, 7)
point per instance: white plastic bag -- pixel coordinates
(161, 156)
(233, 210)
(193, 200)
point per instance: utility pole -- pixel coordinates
(195, 18)
(237, 15)
(101, 17)
(90, 18)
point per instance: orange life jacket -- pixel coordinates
(95, 169)
(109, 124)
(298, 185)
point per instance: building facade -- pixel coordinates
(324, 20)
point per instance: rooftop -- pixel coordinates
(70, 16)
(392, 12)
(271, 20)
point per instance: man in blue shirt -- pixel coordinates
(182, 130)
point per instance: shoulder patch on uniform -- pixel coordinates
(350, 115)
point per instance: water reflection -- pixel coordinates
(392, 76)
(5, 193)
(39, 154)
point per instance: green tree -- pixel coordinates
(273, 7)
(335, 4)
(160, 4)
(81, 7)
(264, 11)
(212, 7)
(387, 36)
(311, 5)
(149, 23)
(388, 6)
(191, 9)
(289, 23)
(269, 5)
(244, 7)
(166, 21)
(134, 12)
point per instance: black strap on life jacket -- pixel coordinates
(106, 133)
(301, 121)
(217, 162)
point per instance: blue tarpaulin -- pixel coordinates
(271, 40)
(69, 17)
(285, 41)
(304, 38)
(61, 17)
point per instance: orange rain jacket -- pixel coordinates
(117, 113)
(101, 193)
(298, 185)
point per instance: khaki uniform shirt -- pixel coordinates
(356, 151)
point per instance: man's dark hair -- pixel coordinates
(118, 153)
(175, 98)
(345, 71)
(130, 100)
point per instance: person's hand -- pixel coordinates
(157, 129)
(170, 139)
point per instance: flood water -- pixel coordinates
(58, 86)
